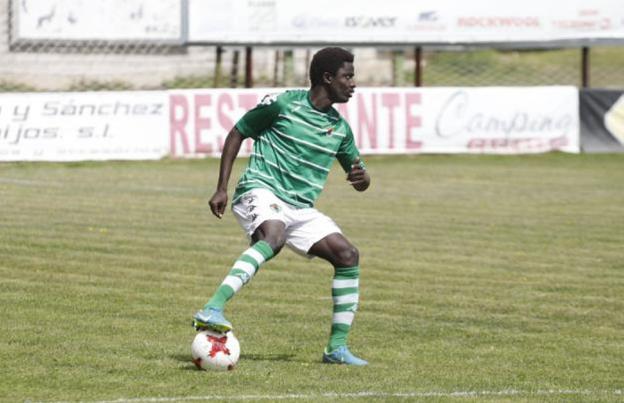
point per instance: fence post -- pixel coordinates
(234, 70)
(306, 76)
(276, 68)
(217, 74)
(418, 67)
(248, 67)
(585, 64)
(289, 67)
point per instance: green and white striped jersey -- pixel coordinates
(295, 146)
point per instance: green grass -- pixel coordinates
(486, 67)
(495, 278)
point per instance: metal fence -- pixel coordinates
(100, 65)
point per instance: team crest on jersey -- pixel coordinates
(275, 207)
(268, 99)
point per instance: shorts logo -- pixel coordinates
(275, 207)
(248, 198)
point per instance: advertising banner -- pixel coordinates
(107, 20)
(602, 120)
(400, 22)
(495, 120)
(194, 123)
(201, 119)
(357, 22)
(465, 120)
(83, 126)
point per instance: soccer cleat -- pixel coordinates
(211, 319)
(342, 355)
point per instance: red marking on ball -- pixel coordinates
(218, 345)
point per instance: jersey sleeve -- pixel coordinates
(261, 116)
(348, 152)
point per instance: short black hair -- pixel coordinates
(328, 60)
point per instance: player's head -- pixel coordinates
(333, 68)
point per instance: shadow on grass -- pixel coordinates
(268, 357)
(186, 358)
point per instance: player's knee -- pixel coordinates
(276, 242)
(271, 232)
(348, 257)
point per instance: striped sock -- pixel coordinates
(241, 273)
(345, 293)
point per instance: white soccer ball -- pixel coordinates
(212, 350)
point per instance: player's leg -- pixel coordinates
(268, 237)
(267, 242)
(338, 251)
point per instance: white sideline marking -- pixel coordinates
(456, 394)
(29, 182)
(41, 183)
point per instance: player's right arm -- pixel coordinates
(232, 146)
(251, 125)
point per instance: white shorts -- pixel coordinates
(304, 226)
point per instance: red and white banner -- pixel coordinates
(84, 126)
(496, 120)
(199, 120)
(194, 123)
(359, 22)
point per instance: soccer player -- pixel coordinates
(297, 136)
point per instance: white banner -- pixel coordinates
(194, 123)
(494, 120)
(83, 126)
(98, 20)
(400, 22)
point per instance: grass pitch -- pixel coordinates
(483, 278)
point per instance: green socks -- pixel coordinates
(345, 290)
(345, 293)
(243, 270)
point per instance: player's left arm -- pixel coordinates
(358, 177)
(349, 157)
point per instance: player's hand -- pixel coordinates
(358, 177)
(218, 202)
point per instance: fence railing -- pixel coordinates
(100, 65)
(62, 68)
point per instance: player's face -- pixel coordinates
(342, 85)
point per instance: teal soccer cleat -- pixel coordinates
(211, 319)
(342, 355)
